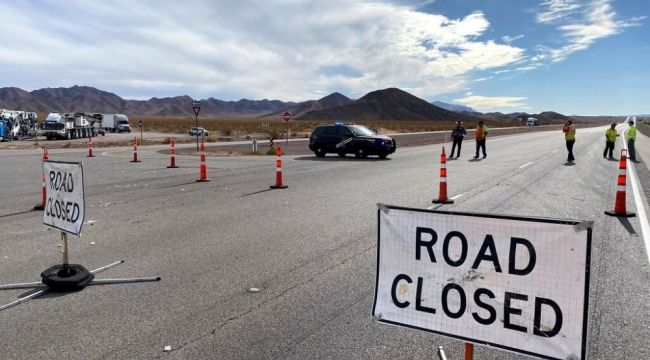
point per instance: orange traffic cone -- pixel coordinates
(90, 147)
(278, 170)
(172, 154)
(203, 174)
(619, 204)
(442, 199)
(44, 190)
(135, 150)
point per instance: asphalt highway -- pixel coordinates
(309, 249)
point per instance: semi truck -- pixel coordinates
(112, 122)
(69, 126)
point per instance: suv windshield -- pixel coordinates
(360, 130)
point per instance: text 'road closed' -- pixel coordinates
(64, 204)
(519, 284)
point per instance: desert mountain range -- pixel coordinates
(388, 104)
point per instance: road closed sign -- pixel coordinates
(64, 202)
(519, 284)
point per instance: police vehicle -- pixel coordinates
(345, 139)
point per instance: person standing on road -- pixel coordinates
(570, 137)
(631, 138)
(457, 134)
(480, 134)
(610, 141)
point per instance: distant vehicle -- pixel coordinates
(532, 122)
(69, 126)
(345, 139)
(18, 124)
(199, 131)
(114, 122)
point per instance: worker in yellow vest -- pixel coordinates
(570, 137)
(631, 138)
(480, 134)
(610, 141)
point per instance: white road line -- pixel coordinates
(456, 197)
(526, 164)
(556, 150)
(640, 208)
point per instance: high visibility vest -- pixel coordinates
(481, 133)
(631, 133)
(570, 132)
(610, 134)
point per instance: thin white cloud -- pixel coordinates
(580, 29)
(502, 71)
(253, 49)
(483, 78)
(509, 39)
(486, 103)
(527, 67)
(468, 93)
(554, 10)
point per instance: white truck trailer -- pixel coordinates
(115, 123)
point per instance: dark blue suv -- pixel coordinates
(345, 139)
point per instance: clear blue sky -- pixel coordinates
(585, 57)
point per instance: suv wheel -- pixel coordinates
(360, 153)
(320, 152)
(382, 156)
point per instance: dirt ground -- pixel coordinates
(292, 148)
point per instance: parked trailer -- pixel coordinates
(69, 126)
(17, 124)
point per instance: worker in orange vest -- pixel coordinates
(480, 134)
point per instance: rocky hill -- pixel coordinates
(299, 109)
(390, 104)
(386, 104)
(89, 99)
(455, 107)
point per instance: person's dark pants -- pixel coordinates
(458, 142)
(630, 150)
(609, 147)
(480, 145)
(569, 146)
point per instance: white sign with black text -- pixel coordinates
(64, 187)
(519, 284)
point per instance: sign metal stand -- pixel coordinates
(65, 200)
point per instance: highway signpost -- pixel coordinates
(141, 126)
(196, 107)
(514, 283)
(65, 211)
(286, 116)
